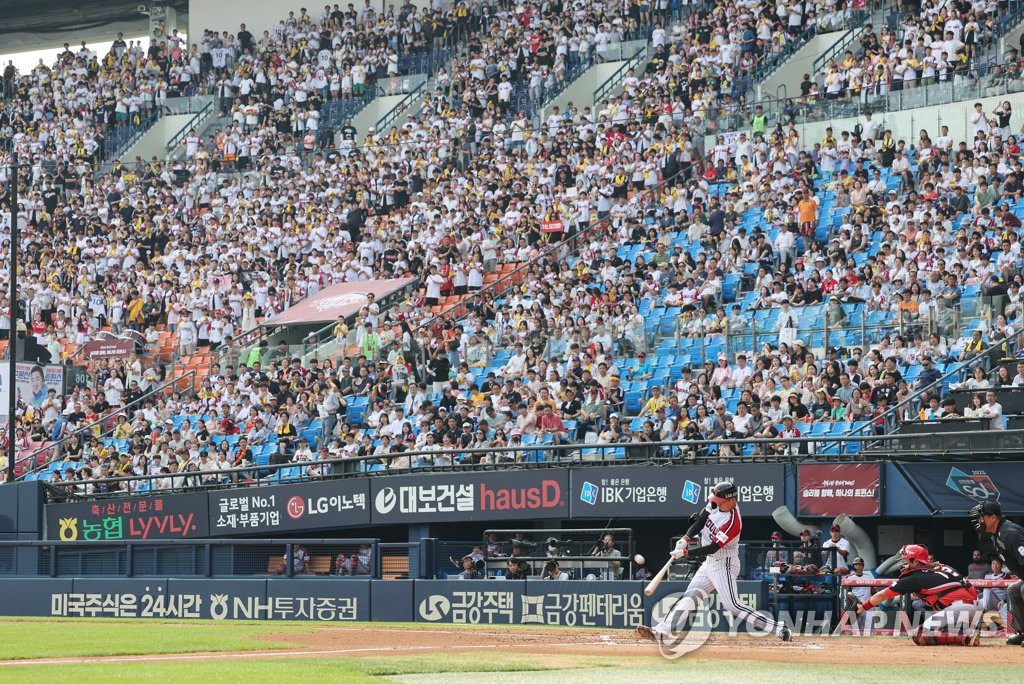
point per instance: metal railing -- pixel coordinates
(172, 385)
(1009, 19)
(976, 83)
(193, 122)
(140, 130)
(615, 80)
(756, 334)
(315, 341)
(818, 448)
(895, 413)
(853, 34)
(548, 94)
(772, 63)
(413, 87)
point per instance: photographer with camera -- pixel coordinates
(552, 571)
(496, 548)
(477, 555)
(556, 548)
(471, 569)
(517, 569)
(610, 570)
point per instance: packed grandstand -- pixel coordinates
(672, 265)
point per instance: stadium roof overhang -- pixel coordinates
(58, 16)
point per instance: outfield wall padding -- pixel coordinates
(614, 605)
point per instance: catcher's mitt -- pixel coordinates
(850, 603)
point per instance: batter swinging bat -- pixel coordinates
(656, 580)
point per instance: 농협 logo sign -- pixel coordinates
(589, 493)
(68, 529)
(977, 485)
(691, 492)
(177, 516)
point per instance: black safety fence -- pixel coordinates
(803, 577)
(567, 554)
(940, 440)
(308, 558)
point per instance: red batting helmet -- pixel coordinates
(914, 552)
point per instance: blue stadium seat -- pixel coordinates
(634, 402)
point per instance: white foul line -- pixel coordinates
(235, 655)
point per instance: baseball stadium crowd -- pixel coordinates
(704, 293)
(933, 45)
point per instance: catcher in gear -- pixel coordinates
(943, 590)
(1007, 540)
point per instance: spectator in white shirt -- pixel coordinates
(742, 372)
(836, 561)
(993, 597)
(979, 120)
(993, 411)
(785, 244)
(1018, 379)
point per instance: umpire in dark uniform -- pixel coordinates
(1008, 540)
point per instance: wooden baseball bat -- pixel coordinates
(656, 580)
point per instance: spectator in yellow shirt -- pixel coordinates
(123, 429)
(656, 402)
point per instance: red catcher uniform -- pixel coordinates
(944, 591)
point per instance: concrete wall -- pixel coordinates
(906, 124)
(581, 92)
(154, 141)
(1011, 40)
(792, 72)
(226, 15)
(376, 110)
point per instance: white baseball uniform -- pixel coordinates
(719, 572)
(862, 594)
(835, 561)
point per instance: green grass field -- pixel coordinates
(29, 639)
